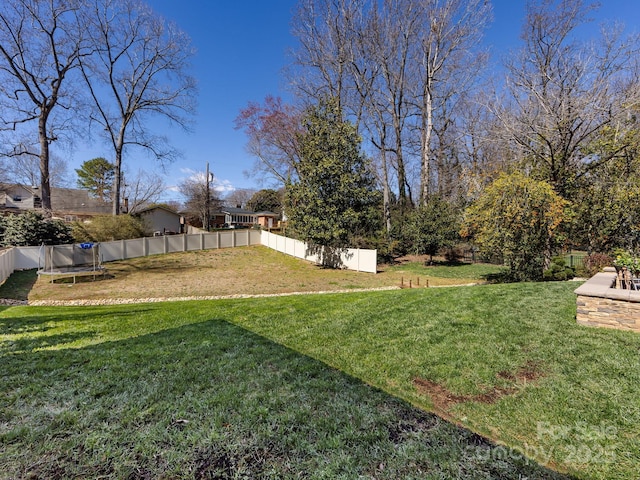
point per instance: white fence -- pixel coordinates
(21, 258)
(357, 259)
(27, 257)
(141, 247)
(7, 263)
(24, 258)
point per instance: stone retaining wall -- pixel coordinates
(601, 305)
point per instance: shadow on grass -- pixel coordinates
(30, 332)
(447, 263)
(28, 322)
(501, 277)
(19, 284)
(29, 344)
(212, 400)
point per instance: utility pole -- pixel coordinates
(208, 200)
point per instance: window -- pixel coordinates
(17, 198)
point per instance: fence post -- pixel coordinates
(165, 244)
(202, 241)
(124, 249)
(184, 243)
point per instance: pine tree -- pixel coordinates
(96, 175)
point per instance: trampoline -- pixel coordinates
(82, 259)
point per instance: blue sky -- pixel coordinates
(241, 49)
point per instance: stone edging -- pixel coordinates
(130, 301)
(127, 301)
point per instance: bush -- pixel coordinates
(105, 228)
(433, 227)
(454, 255)
(558, 271)
(594, 263)
(32, 229)
(519, 218)
(386, 252)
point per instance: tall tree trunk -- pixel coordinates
(386, 194)
(402, 174)
(425, 145)
(45, 186)
(117, 177)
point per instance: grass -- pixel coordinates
(21, 284)
(471, 272)
(256, 270)
(180, 391)
(330, 386)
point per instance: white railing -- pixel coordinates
(24, 258)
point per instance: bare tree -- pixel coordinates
(326, 30)
(25, 170)
(239, 197)
(272, 130)
(359, 53)
(394, 33)
(399, 69)
(40, 46)
(565, 91)
(4, 176)
(450, 62)
(141, 189)
(485, 149)
(138, 70)
(197, 203)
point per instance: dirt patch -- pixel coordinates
(443, 398)
(241, 461)
(529, 372)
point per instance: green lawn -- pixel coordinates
(320, 386)
(467, 271)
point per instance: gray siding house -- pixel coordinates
(161, 221)
(66, 203)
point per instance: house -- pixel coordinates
(161, 220)
(73, 204)
(242, 218)
(66, 203)
(19, 197)
(267, 219)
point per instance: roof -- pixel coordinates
(236, 211)
(266, 214)
(73, 200)
(244, 211)
(66, 200)
(157, 207)
(7, 187)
